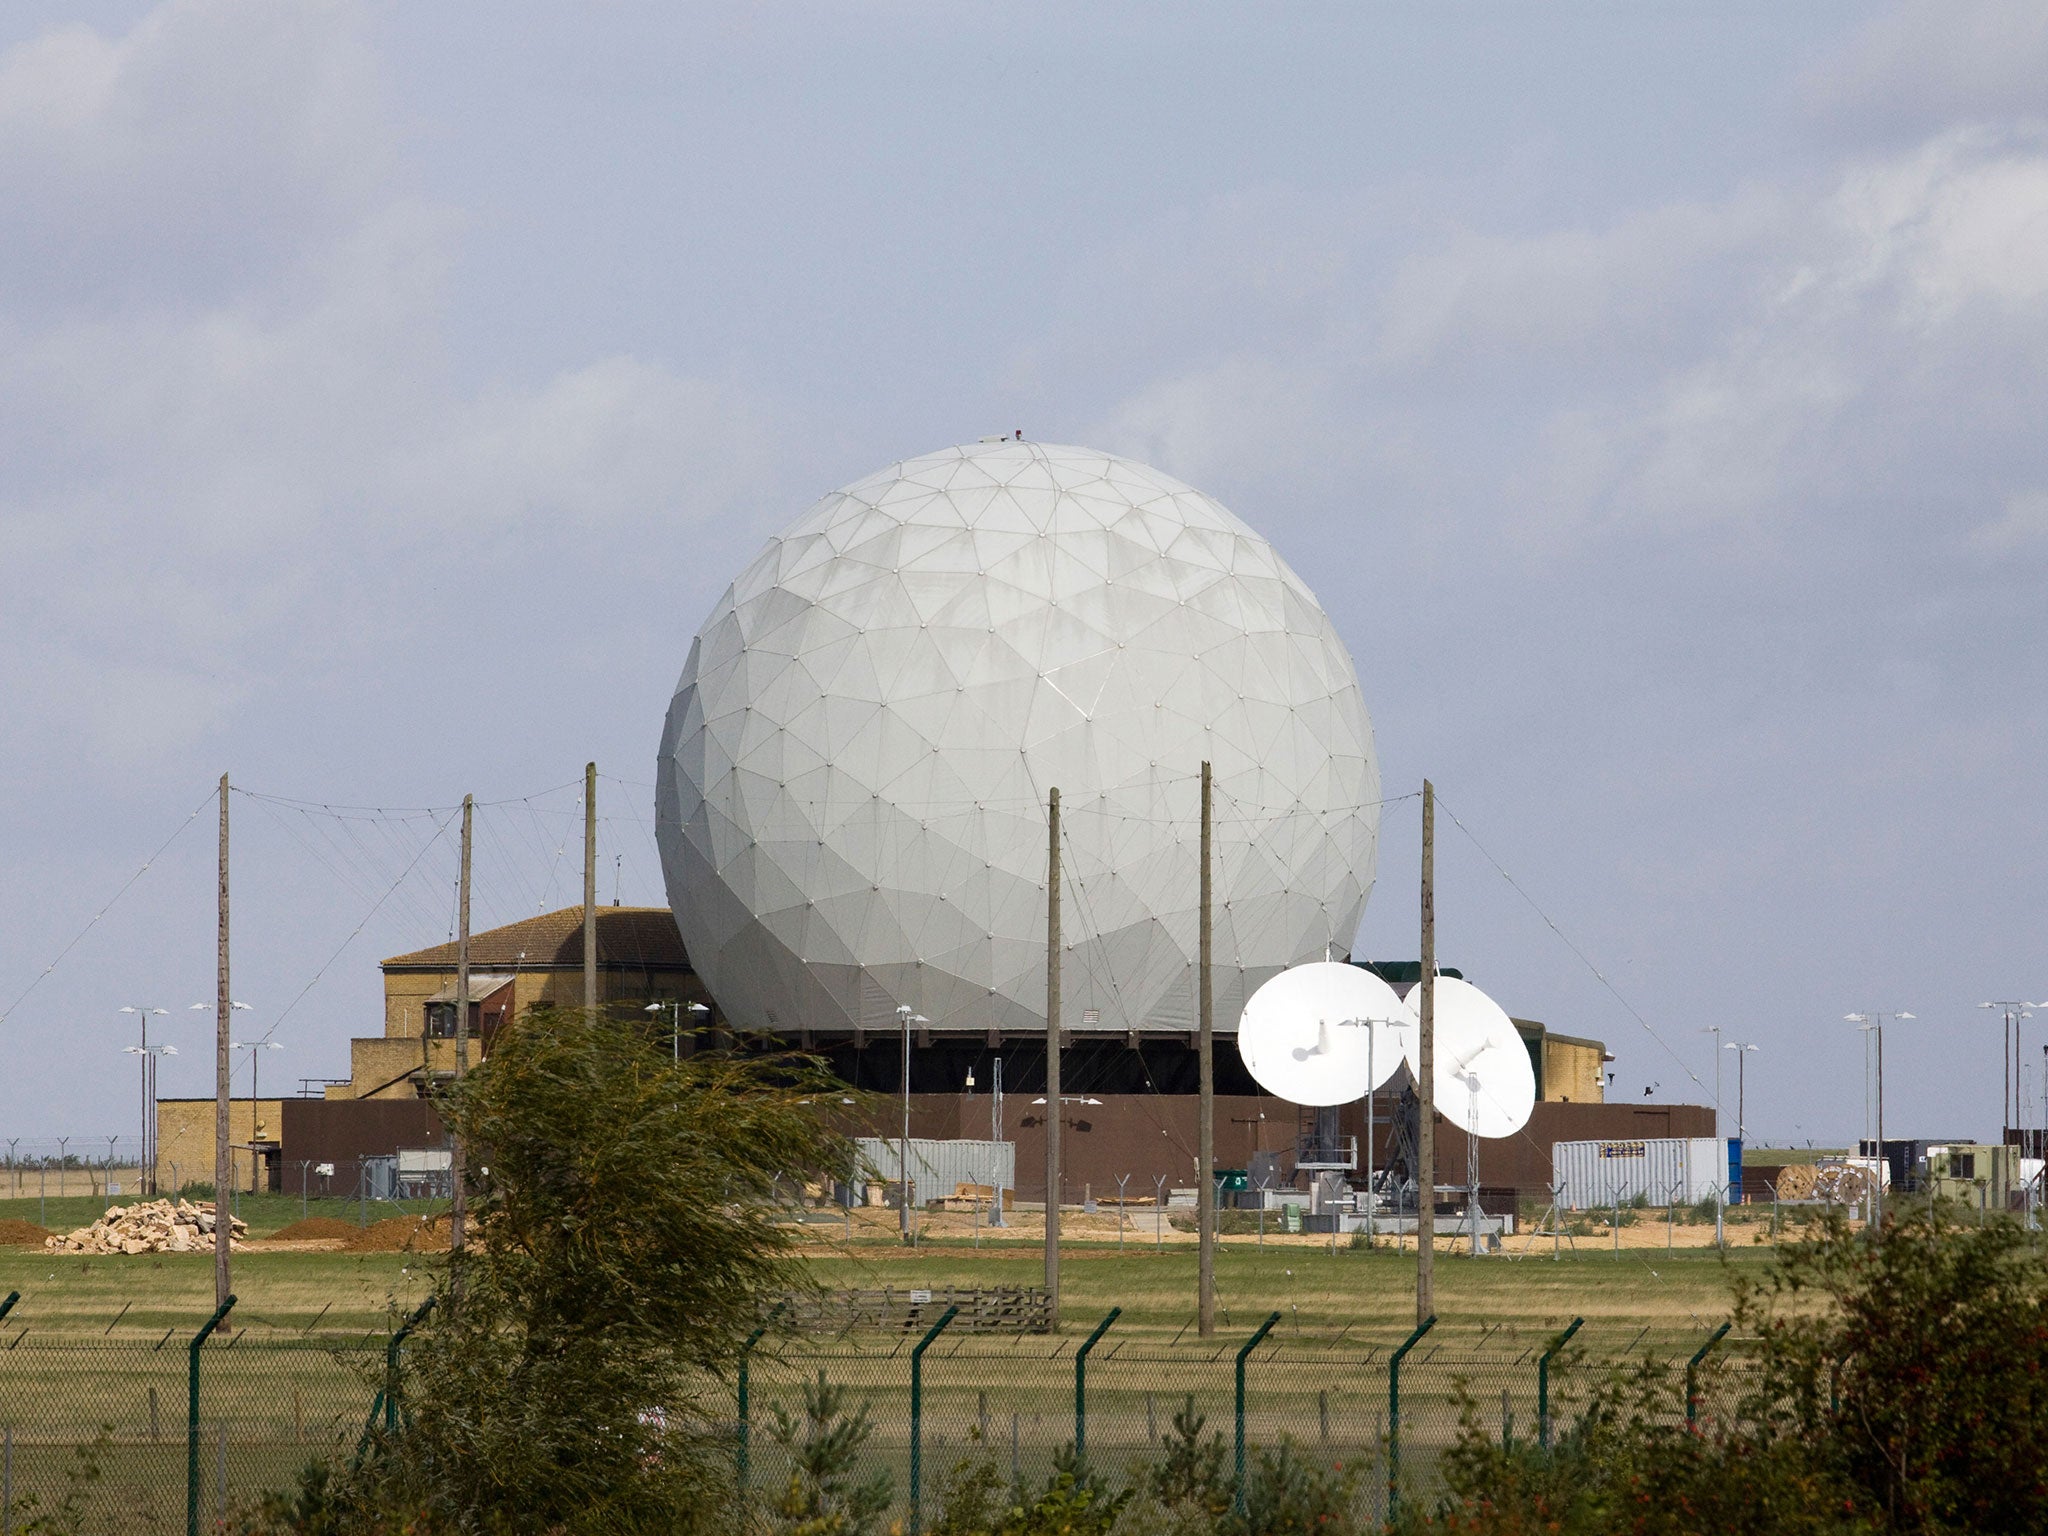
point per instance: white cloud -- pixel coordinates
(1807, 351)
(225, 405)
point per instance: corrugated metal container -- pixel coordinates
(937, 1168)
(1590, 1174)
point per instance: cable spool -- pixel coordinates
(1796, 1181)
(1843, 1184)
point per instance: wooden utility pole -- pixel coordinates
(1205, 1114)
(1877, 1200)
(223, 1022)
(1425, 1076)
(458, 1211)
(590, 887)
(1052, 1063)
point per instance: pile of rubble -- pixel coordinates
(158, 1226)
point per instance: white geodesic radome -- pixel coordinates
(852, 785)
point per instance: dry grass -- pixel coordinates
(1643, 1298)
(1644, 1295)
(155, 1294)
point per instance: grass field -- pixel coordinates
(1645, 1294)
(98, 1341)
(1347, 1300)
(263, 1214)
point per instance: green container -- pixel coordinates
(1232, 1179)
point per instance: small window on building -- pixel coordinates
(1965, 1165)
(440, 1021)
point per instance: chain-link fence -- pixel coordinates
(106, 1427)
(1386, 1414)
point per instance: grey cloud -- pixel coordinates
(1928, 63)
(229, 452)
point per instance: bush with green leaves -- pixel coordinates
(1076, 1500)
(1900, 1386)
(1190, 1484)
(625, 1236)
(1920, 1380)
(825, 1494)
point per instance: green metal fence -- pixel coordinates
(269, 1402)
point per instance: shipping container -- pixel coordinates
(937, 1168)
(1663, 1171)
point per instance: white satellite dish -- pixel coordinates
(1484, 1082)
(1323, 1033)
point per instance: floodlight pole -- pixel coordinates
(458, 1209)
(995, 1134)
(1372, 1095)
(1874, 1022)
(903, 1145)
(146, 1163)
(1425, 1077)
(1205, 1177)
(1052, 1061)
(2015, 1010)
(1742, 1051)
(1472, 1155)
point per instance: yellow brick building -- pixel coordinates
(1570, 1070)
(184, 1142)
(538, 961)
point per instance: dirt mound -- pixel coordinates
(314, 1227)
(399, 1234)
(22, 1233)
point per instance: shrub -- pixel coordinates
(825, 1496)
(624, 1234)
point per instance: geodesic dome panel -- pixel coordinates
(853, 778)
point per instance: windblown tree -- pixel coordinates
(625, 1210)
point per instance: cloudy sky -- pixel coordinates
(1654, 395)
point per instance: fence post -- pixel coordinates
(391, 1364)
(7, 1306)
(192, 1419)
(1394, 1415)
(1692, 1401)
(745, 1395)
(917, 1417)
(1543, 1381)
(1250, 1344)
(1081, 1386)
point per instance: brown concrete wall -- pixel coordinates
(1144, 1136)
(1147, 1135)
(1522, 1161)
(340, 1131)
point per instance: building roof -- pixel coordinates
(628, 938)
(480, 987)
